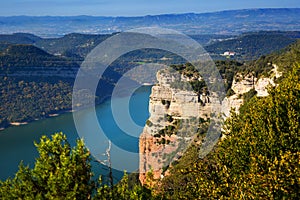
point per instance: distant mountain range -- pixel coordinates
(225, 22)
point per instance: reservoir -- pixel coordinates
(17, 143)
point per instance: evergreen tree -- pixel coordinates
(60, 172)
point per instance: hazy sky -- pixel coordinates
(132, 7)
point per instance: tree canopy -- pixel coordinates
(63, 172)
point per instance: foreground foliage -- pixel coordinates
(62, 172)
(58, 172)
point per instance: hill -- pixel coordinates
(250, 46)
(35, 84)
(73, 45)
(28, 60)
(19, 38)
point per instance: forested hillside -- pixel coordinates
(25, 60)
(34, 84)
(24, 100)
(247, 46)
(250, 46)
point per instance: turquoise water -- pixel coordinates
(16, 143)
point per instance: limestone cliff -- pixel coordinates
(244, 83)
(172, 109)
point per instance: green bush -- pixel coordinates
(149, 123)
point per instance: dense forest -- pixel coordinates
(24, 100)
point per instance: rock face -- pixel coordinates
(240, 85)
(157, 151)
(228, 103)
(243, 84)
(152, 155)
(166, 101)
(262, 84)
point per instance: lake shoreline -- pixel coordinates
(18, 123)
(12, 124)
(53, 114)
(59, 112)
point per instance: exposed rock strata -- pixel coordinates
(167, 101)
(186, 105)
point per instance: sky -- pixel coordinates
(131, 7)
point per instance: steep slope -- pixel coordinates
(177, 116)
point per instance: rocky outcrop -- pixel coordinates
(157, 149)
(232, 102)
(264, 83)
(243, 84)
(240, 85)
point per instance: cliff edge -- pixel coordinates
(176, 115)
